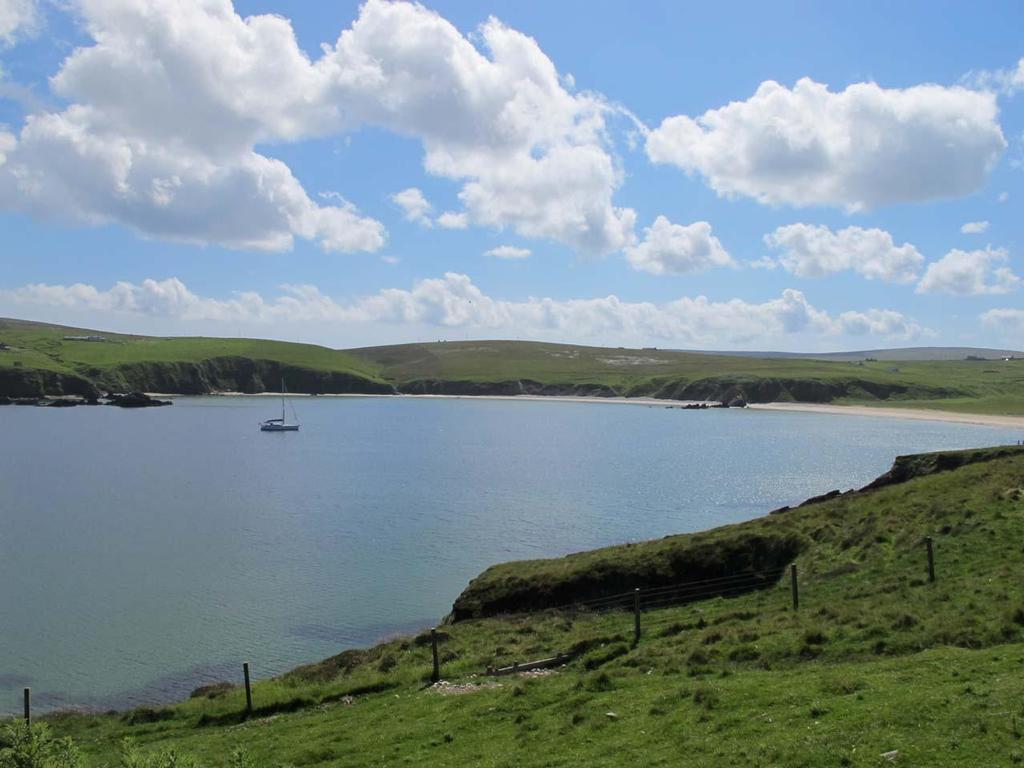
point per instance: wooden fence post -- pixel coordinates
(28, 706)
(794, 587)
(636, 616)
(248, 688)
(436, 674)
(931, 558)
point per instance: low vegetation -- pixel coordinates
(39, 359)
(877, 660)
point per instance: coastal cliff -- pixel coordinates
(40, 360)
(764, 545)
(255, 376)
(233, 374)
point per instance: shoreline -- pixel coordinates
(648, 401)
(913, 414)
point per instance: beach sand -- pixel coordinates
(921, 414)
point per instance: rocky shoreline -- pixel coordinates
(117, 399)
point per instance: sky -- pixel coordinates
(801, 176)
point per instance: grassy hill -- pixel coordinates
(46, 361)
(876, 659)
(900, 354)
(41, 359)
(516, 367)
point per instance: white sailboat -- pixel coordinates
(281, 425)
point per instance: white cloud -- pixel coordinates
(168, 104)
(970, 273)
(1003, 197)
(414, 205)
(508, 252)
(452, 220)
(165, 110)
(815, 251)
(860, 148)
(879, 322)
(974, 227)
(7, 144)
(1009, 322)
(675, 249)
(765, 262)
(533, 156)
(453, 301)
(416, 208)
(1005, 81)
(18, 19)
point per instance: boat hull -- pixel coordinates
(279, 427)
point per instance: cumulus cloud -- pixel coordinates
(7, 144)
(508, 252)
(452, 220)
(879, 322)
(974, 227)
(1005, 81)
(416, 208)
(863, 147)
(765, 262)
(454, 301)
(970, 273)
(674, 249)
(18, 19)
(414, 205)
(165, 109)
(1010, 322)
(816, 251)
(167, 106)
(533, 156)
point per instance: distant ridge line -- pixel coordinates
(906, 354)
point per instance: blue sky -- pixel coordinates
(179, 167)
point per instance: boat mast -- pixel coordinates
(282, 401)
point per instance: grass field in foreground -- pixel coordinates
(876, 659)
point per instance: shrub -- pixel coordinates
(24, 746)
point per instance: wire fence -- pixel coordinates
(640, 601)
(636, 602)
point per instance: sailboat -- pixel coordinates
(280, 425)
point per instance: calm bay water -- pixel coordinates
(143, 553)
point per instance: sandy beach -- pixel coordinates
(918, 414)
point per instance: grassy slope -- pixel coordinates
(876, 659)
(43, 346)
(981, 387)
(984, 387)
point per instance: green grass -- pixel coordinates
(35, 342)
(505, 367)
(993, 387)
(876, 659)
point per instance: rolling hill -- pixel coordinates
(38, 360)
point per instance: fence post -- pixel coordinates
(28, 706)
(248, 688)
(636, 616)
(436, 674)
(931, 558)
(795, 588)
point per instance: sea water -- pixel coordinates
(146, 552)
